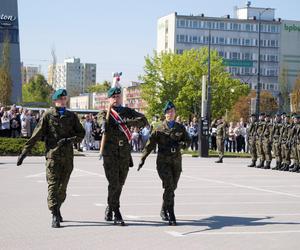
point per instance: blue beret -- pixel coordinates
(59, 93)
(169, 105)
(113, 91)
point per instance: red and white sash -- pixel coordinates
(118, 119)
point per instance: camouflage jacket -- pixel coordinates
(267, 132)
(169, 140)
(116, 141)
(221, 130)
(260, 129)
(284, 132)
(275, 132)
(52, 127)
(251, 131)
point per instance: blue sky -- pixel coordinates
(114, 34)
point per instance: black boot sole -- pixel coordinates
(172, 223)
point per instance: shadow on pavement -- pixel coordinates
(219, 222)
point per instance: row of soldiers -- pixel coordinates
(280, 135)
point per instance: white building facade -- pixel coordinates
(72, 75)
(236, 40)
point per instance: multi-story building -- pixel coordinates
(82, 102)
(72, 75)
(100, 101)
(132, 97)
(29, 72)
(9, 27)
(236, 40)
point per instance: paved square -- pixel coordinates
(226, 206)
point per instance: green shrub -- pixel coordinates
(14, 146)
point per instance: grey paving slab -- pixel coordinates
(226, 206)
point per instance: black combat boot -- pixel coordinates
(220, 160)
(277, 167)
(285, 167)
(295, 168)
(55, 218)
(164, 214)
(108, 214)
(268, 165)
(252, 164)
(261, 164)
(172, 218)
(118, 220)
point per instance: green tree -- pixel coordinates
(178, 78)
(99, 87)
(37, 90)
(5, 77)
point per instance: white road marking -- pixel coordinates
(36, 175)
(236, 185)
(90, 173)
(180, 216)
(177, 234)
(99, 205)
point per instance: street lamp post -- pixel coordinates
(206, 113)
(258, 87)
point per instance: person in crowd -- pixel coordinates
(5, 124)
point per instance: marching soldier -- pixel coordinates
(221, 135)
(285, 147)
(252, 140)
(60, 128)
(276, 146)
(267, 141)
(297, 140)
(116, 152)
(293, 144)
(259, 140)
(170, 138)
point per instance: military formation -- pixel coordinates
(60, 128)
(275, 137)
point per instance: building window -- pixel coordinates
(222, 26)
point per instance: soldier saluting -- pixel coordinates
(116, 147)
(60, 128)
(170, 138)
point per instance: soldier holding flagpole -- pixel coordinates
(116, 147)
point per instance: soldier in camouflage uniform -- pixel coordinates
(293, 143)
(267, 141)
(252, 140)
(60, 128)
(259, 140)
(170, 137)
(297, 145)
(221, 135)
(275, 137)
(285, 147)
(116, 154)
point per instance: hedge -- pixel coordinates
(14, 146)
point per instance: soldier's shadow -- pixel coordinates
(216, 223)
(208, 224)
(219, 222)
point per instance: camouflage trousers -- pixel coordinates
(220, 147)
(116, 171)
(295, 154)
(267, 150)
(260, 150)
(169, 169)
(58, 173)
(286, 153)
(253, 152)
(276, 147)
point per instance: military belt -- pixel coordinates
(168, 150)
